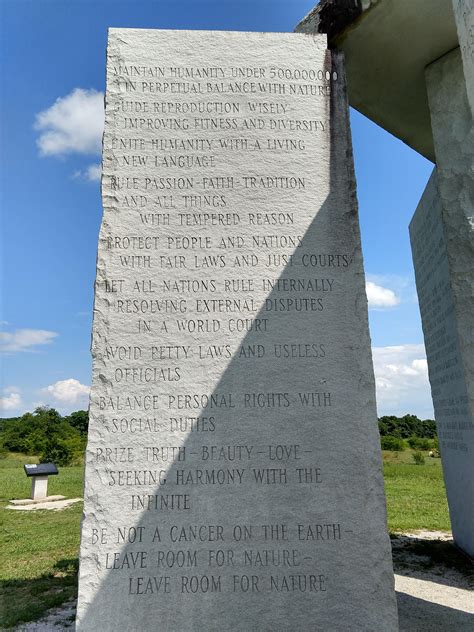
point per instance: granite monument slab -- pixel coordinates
(233, 474)
(442, 238)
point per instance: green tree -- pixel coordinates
(45, 433)
(407, 426)
(392, 443)
(79, 420)
(63, 451)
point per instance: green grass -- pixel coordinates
(416, 496)
(38, 565)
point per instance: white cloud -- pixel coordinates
(73, 124)
(92, 173)
(12, 399)
(402, 285)
(24, 339)
(401, 376)
(69, 391)
(380, 297)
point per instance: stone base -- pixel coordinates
(58, 503)
(31, 501)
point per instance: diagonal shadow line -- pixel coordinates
(347, 449)
(438, 561)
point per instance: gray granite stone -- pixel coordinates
(442, 235)
(464, 15)
(233, 474)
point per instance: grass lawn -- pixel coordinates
(38, 565)
(416, 496)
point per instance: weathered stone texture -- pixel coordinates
(332, 17)
(442, 233)
(464, 15)
(263, 438)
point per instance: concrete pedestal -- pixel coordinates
(39, 487)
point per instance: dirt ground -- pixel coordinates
(434, 583)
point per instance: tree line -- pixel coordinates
(396, 433)
(46, 434)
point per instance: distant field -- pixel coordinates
(38, 565)
(416, 496)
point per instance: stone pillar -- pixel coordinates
(209, 447)
(422, 90)
(443, 253)
(464, 16)
(39, 487)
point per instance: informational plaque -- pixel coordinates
(233, 476)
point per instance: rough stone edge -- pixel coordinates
(333, 17)
(100, 325)
(343, 160)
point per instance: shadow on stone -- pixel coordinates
(349, 453)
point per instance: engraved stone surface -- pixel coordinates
(233, 474)
(430, 243)
(442, 236)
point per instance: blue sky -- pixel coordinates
(51, 209)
